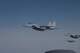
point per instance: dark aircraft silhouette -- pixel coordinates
(60, 51)
(73, 36)
(71, 41)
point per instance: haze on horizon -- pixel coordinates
(16, 39)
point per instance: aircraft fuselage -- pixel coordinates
(38, 29)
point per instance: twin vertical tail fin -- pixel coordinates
(52, 24)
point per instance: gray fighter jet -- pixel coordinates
(73, 36)
(50, 26)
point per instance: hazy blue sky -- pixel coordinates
(16, 39)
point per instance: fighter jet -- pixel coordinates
(50, 26)
(71, 41)
(73, 36)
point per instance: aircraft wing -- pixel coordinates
(46, 26)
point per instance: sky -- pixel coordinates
(16, 39)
